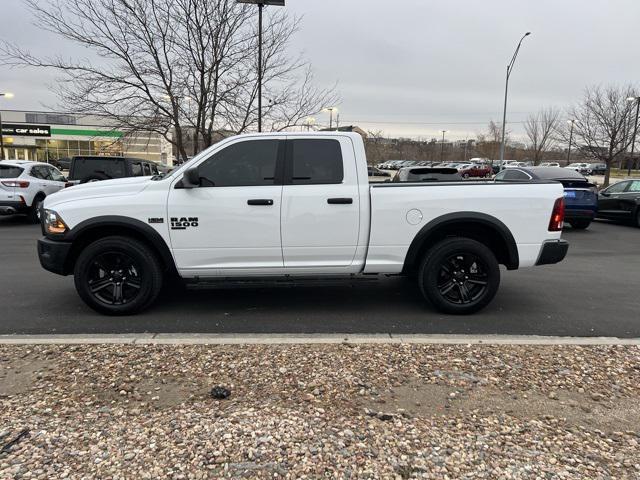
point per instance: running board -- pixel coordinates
(287, 281)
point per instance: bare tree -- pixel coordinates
(488, 144)
(542, 129)
(175, 67)
(603, 124)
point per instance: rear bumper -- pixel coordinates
(579, 214)
(11, 207)
(553, 252)
(53, 255)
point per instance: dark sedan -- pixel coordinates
(580, 196)
(621, 202)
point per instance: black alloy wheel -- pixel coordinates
(118, 275)
(115, 278)
(463, 278)
(459, 275)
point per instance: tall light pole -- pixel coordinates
(442, 147)
(261, 4)
(635, 132)
(570, 122)
(506, 90)
(331, 110)
(3, 95)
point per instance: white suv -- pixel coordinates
(24, 186)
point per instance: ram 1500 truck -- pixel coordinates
(292, 204)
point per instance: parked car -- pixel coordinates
(578, 167)
(621, 202)
(549, 164)
(376, 172)
(427, 174)
(596, 169)
(475, 170)
(394, 164)
(86, 169)
(62, 163)
(240, 209)
(580, 196)
(24, 185)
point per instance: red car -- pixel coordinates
(477, 170)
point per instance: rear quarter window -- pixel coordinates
(9, 171)
(316, 162)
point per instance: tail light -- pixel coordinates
(69, 184)
(557, 216)
(16, 183)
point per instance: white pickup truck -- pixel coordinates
(293, 204)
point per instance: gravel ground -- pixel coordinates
(340, 411)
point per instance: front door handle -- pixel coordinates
(340, 201)
(260, 201)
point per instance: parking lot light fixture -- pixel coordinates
(3, 95)
(506, 90)
(442, 147)
(331, 110)
(630, 162)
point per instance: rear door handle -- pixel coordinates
(340, 201)
(260, 201)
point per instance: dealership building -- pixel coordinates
(49, 136)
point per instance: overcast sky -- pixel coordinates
(416, 67)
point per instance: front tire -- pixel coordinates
(459, 276)
(118, 276)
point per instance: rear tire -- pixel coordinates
(580, 224)
(118, 276)
(34, 211)
(459, 276)
(638, 217)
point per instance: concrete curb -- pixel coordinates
(306, 339)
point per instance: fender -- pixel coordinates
(468, 218)
(116, 221)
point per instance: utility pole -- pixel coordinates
(571, 122)
(631, 162)
(3, 95)
(442, 147)
(261, 4)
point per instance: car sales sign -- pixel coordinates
(22, 130)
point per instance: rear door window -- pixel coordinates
(9, 171)
(136, 169)
(147, 169)
(634, 187)
(315, 162)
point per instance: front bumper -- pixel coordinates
(553, 252)
(53, 255)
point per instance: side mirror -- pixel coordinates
(605, 194)
(190, 179)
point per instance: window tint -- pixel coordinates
(617, 188)
(9, 171)
(38, 172)
(316, 162)
(515, 175)
(635, 186)
(248, 163)
(110, 167)
(154, 169)
(500, 175)
(147, 169)
(136, 169)
(55, 175)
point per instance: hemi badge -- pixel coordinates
(156, 220)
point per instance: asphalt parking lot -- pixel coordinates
(594, 292)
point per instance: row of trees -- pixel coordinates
(176, 67)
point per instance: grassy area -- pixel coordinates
(617, 172)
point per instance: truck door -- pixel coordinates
(232, 221)
(320, 203)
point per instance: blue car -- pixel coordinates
(580, 196)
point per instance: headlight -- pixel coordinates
(53, 223)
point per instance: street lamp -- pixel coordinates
(570, 122)
(442, 147)
(261, 4)
(506, 89)
(4, 95)
(635, 132)
(309, 122)
(331, 110)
